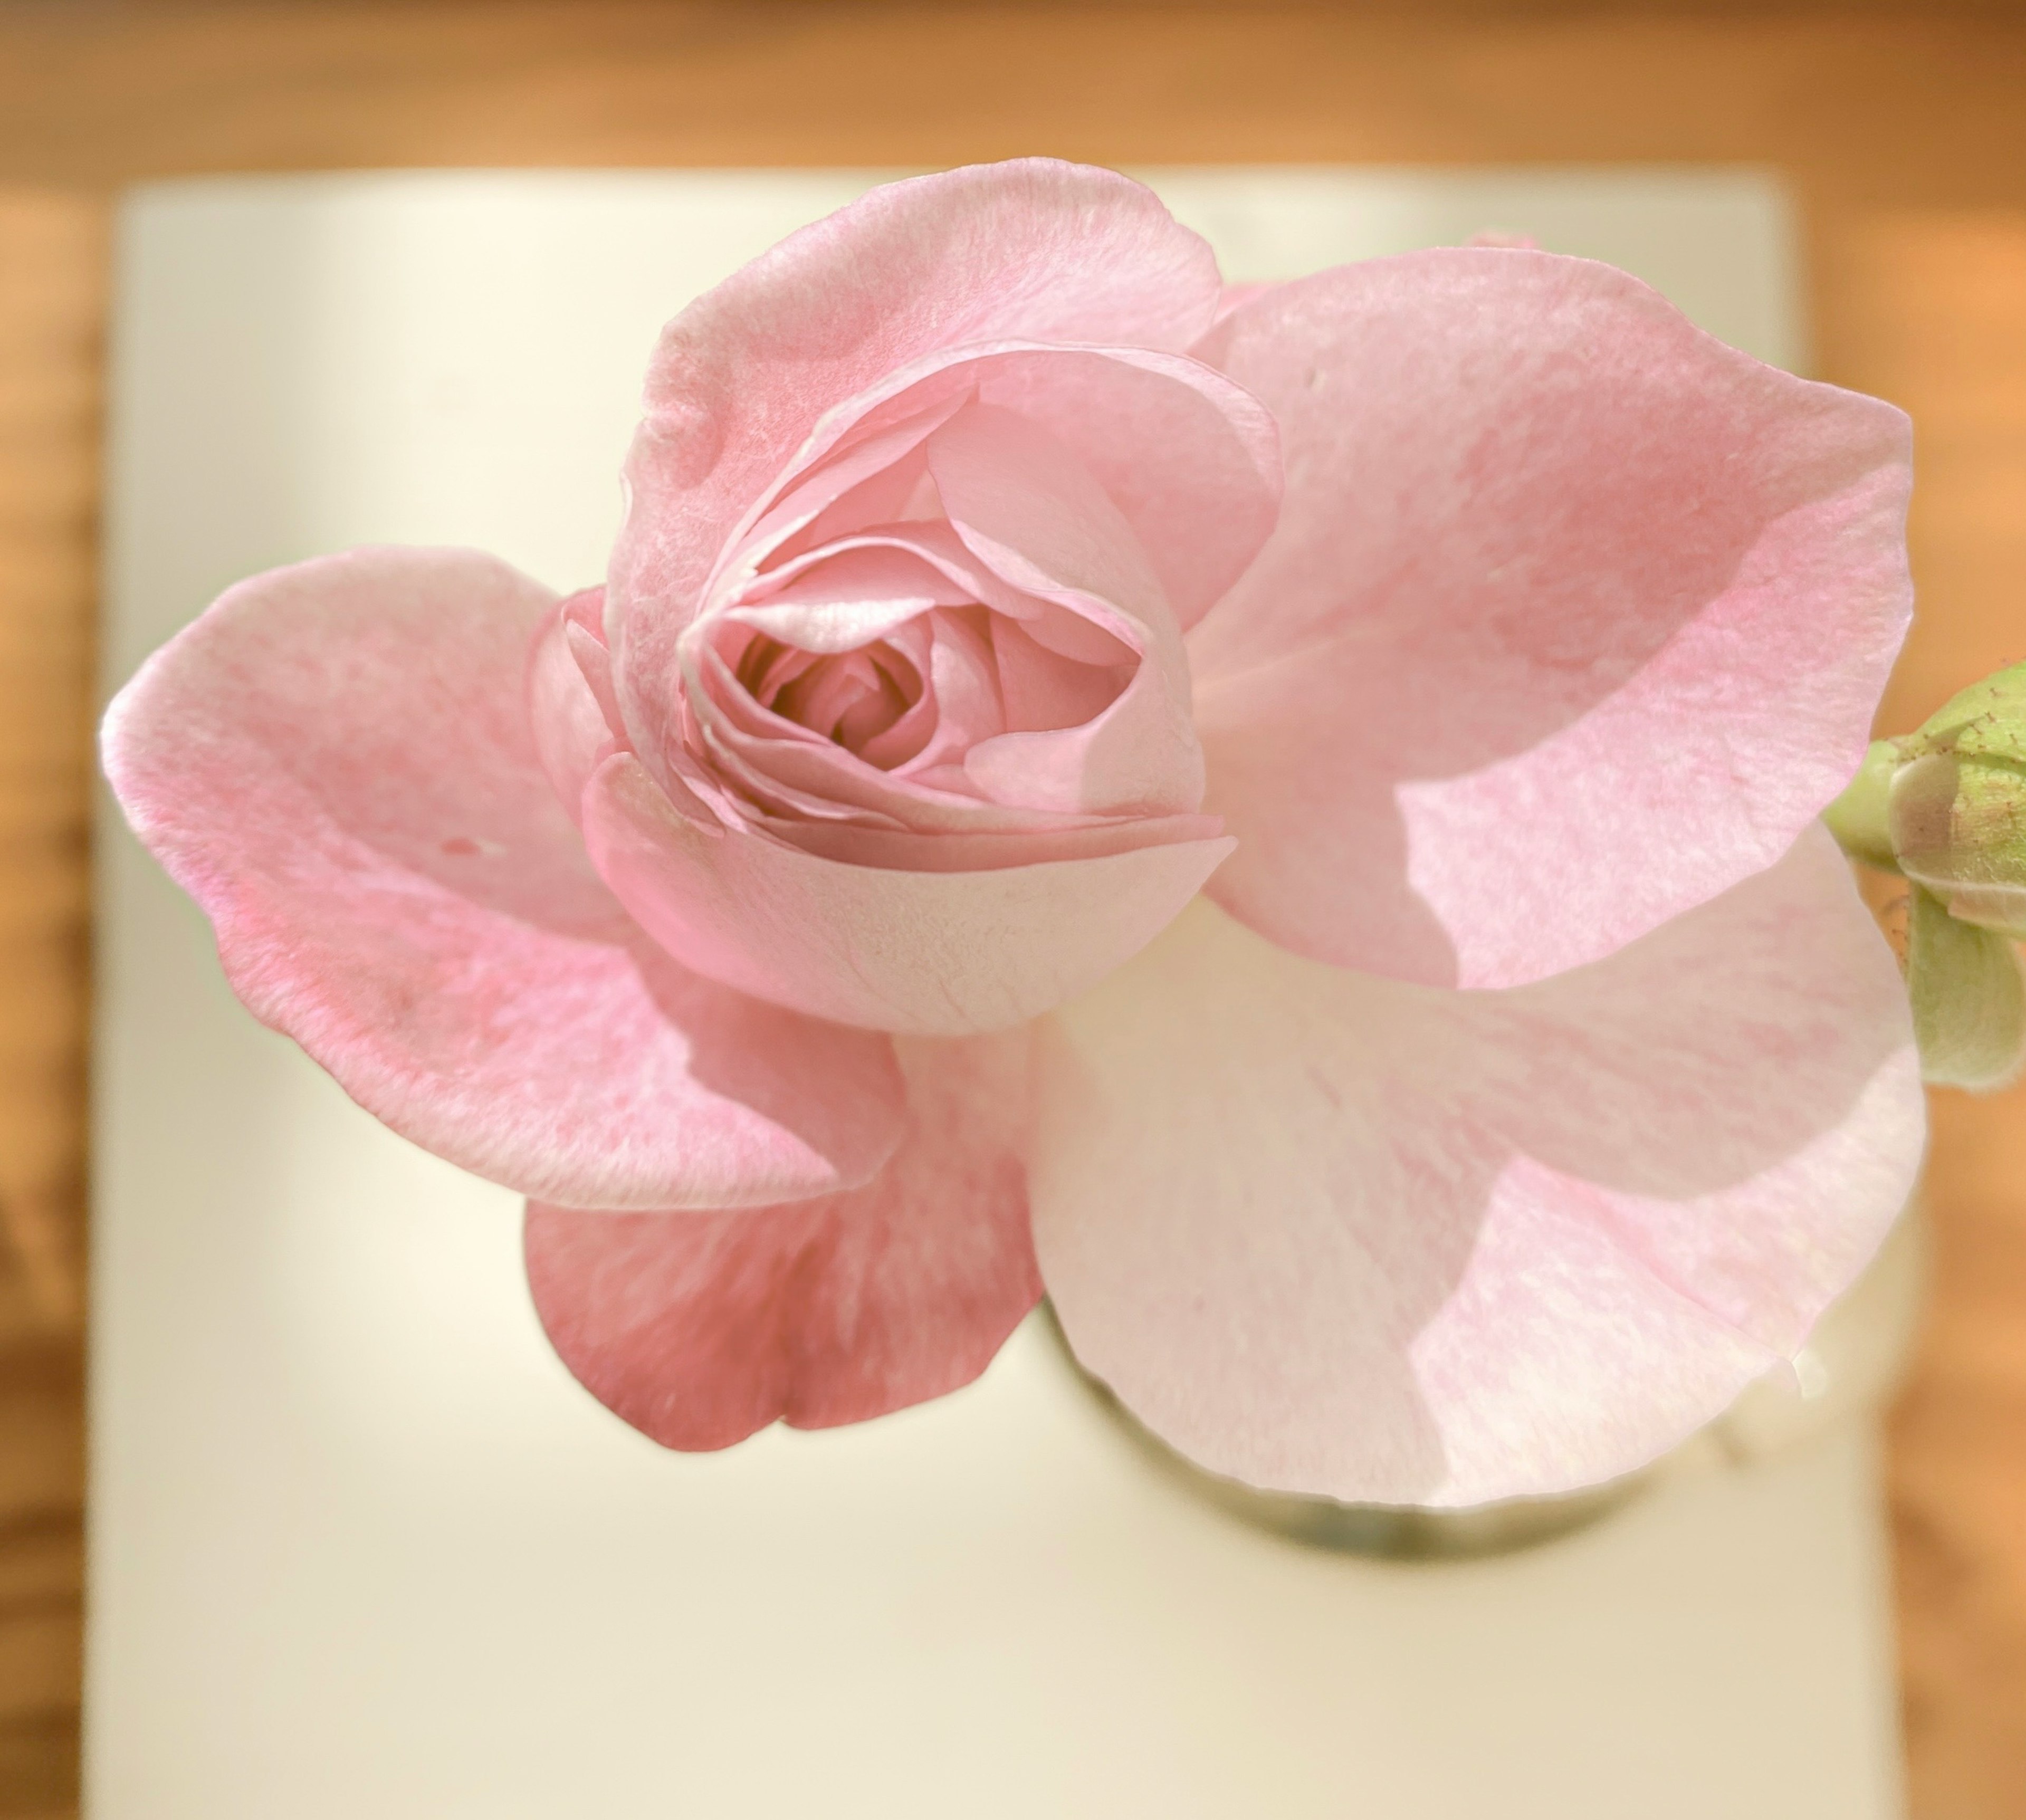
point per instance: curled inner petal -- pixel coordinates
(851, 699)
(946, 628)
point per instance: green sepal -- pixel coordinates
(1986, 721)
(1957, 823)
(1858, 818)
(1969, 999)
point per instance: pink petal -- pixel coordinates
(1336, 1234)
(795, 773)
(1033, 250)
(1045, 689)
(1189, 459)
(699, 1328)
(859, 593)
(931, 953)
(1065, 839)
(865, 477)
(583, 617)
(335, 762)
(1191, 462)
(1573, 618)
(567, 714)
(1028, 511)
(1236, 296)
(1026, 508)
(881, 584)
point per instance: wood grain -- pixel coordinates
(1904, 132)
(52, 294)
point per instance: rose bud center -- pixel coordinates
(889, 657)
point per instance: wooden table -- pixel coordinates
(1906, 133)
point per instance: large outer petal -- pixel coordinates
(1033, 250)
(935, 954)
(699, 1328)
(335, 761)
(1335, 1234)
(1574, 617)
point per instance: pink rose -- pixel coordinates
(1287, 819)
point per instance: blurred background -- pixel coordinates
(1901, 126)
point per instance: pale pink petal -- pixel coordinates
(790, 772)
(565, 716)
(1574, 617)
(1066, 839)
(1192, 461)
(1189, 459)
(963, 684)
(336, 762)
(1045, 689)
(1031, 250)
(1055, 667)
(859, 592)
(699, 1328)
(932, 542)
(941, 952)
(764, 713)
(1235, 297)
(1028, 509)
(583, 615)
(866, 478)
(1341, 1235)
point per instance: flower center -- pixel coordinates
(851, 698)
(946, 629)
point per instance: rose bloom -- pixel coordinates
(1284, 818)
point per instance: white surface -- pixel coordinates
(361, 1547)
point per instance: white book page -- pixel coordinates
(360, 1544)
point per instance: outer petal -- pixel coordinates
(1335, 1234)
(1573, 619)
(935, 954)
(1033, 250)
(699, 1328)
(335, 762)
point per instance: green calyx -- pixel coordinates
(1858, 818)
(1946, 807)
(1987, 720)
(1957, 825)
(1968, 997)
